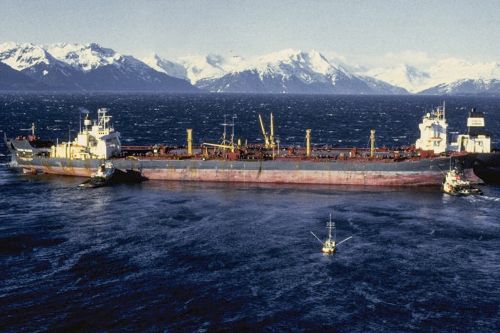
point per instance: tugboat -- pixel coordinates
(102, 177)
(330, 245)
(455, 184)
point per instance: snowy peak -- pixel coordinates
(211, 66)
(308, 67)
(24, 55)
(286, 71)
(89, 57)
(466, 87)
(403, 75)
(196, 67)
(290, 61)
(201, 67)
(67, 66)
(85, 57)
(449, 72)
(166, 66)
(91, 66)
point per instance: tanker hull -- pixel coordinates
(421, 172)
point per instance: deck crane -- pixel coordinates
(225, 144)
(269, 142)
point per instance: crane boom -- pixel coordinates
(230, 147)
(264, 133)
(344, 240)
(316, 237)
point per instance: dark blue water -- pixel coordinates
(168, 256)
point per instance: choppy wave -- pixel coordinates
(186, 257)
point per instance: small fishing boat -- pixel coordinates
(330, 244)
(455, 184)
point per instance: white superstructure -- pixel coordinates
(477, 140)
(434, 136)
(433, 131)
(96, 140)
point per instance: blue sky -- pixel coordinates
(352, 28)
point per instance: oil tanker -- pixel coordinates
(231, 160)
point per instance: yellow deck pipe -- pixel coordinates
(308, 142)
(372, 143)
(190, 141)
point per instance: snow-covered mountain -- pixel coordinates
(35, 62)
(91, 67)
(295, 71)
(197, 67)
(456, 76)
(87, 67)
(403, 75)
(84, 57)
(165, 66)
(466, 87)
(450, 75)
(287, 71)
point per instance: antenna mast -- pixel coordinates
(271, 130)
(330, 228)
(232, 129)
(224, 134)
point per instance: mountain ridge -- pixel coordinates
(285, 71)
(92, 67)
(87, 67)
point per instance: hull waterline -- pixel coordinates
(425, 172)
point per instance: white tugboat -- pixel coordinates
(455, 184)
(102, 177)
(330, 244)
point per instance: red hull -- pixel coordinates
(365, 178)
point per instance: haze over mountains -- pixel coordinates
(90, 67)
(450, 75)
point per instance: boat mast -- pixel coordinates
(224, 134)
(330, 228)
(232, 130)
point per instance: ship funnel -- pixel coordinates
(87, 122)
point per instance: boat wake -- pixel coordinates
(488, 198)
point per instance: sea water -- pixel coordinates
(172, 256)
